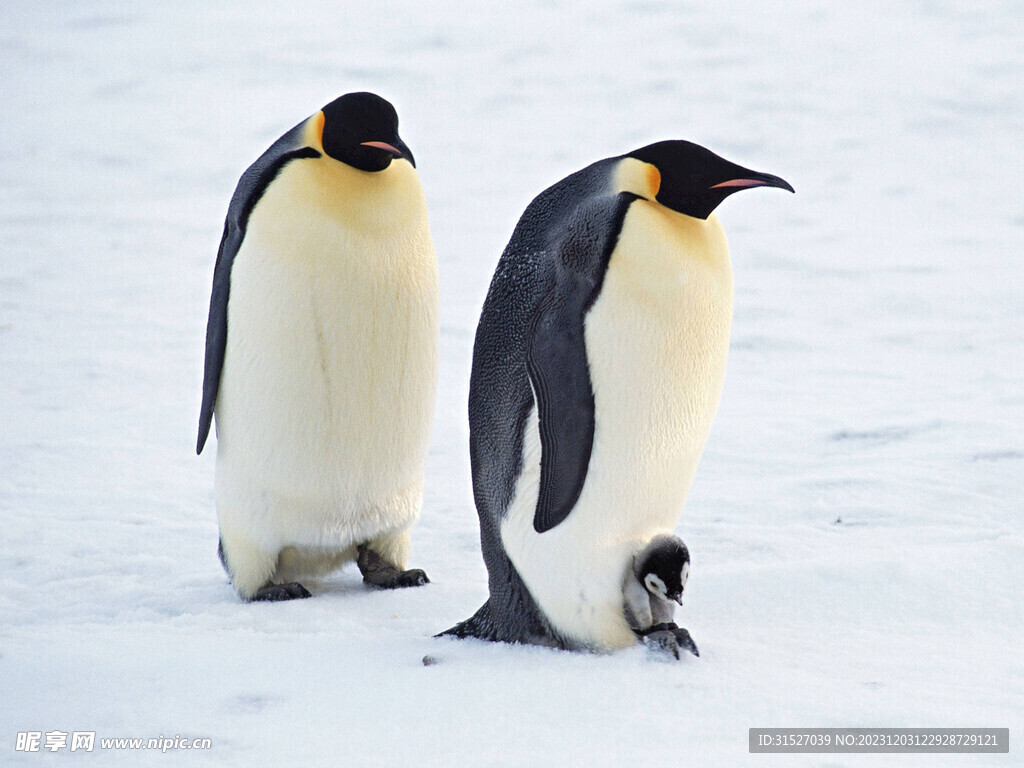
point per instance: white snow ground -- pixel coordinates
(876, 376)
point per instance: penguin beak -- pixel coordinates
(678, 597)
(398, 149)
(754, 179)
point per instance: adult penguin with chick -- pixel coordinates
(597, 370)
(321, 355)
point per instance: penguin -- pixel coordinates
(655, 580)
(321, 356)
(598, 366)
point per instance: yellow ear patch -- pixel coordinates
(653, 180)
(315, 131)
(638, 177)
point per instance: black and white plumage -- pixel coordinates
(321, 355)
(655, 582)
(654, 585)
(597, 369)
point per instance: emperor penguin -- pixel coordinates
(597, 370)
(322, 354)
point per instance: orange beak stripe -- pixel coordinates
(741, 183)
(383, 145)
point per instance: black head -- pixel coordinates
(361, 130)
(663, 567)
(695, 180)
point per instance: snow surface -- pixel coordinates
(855, 525)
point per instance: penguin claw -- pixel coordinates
(398, 579)
(414, 577)
(378, 572)
(685, 642)
(669, 639)
(662, 642)
(273, 593)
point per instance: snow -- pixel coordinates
(855, 527)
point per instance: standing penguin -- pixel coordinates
(321, 355)
(597, 370)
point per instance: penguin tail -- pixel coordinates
(479, 625)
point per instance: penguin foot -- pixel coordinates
(378, 572)
(669, 639)
(273, 593)
(685, 642)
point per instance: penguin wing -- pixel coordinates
(556, 359)
(637, 603)
(250, 189)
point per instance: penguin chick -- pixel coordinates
(321, 356)
(656, 581)
(653, 586)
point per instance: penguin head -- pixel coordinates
(663, 567)
(694, 180)
(361, 130)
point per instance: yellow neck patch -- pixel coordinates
(314, 134)
(638, 177)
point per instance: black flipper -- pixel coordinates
(250, 189)
(556, 359)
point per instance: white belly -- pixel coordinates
(657, 339)
(327, 392)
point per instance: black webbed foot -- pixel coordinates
(273, 593)
(378, 572)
